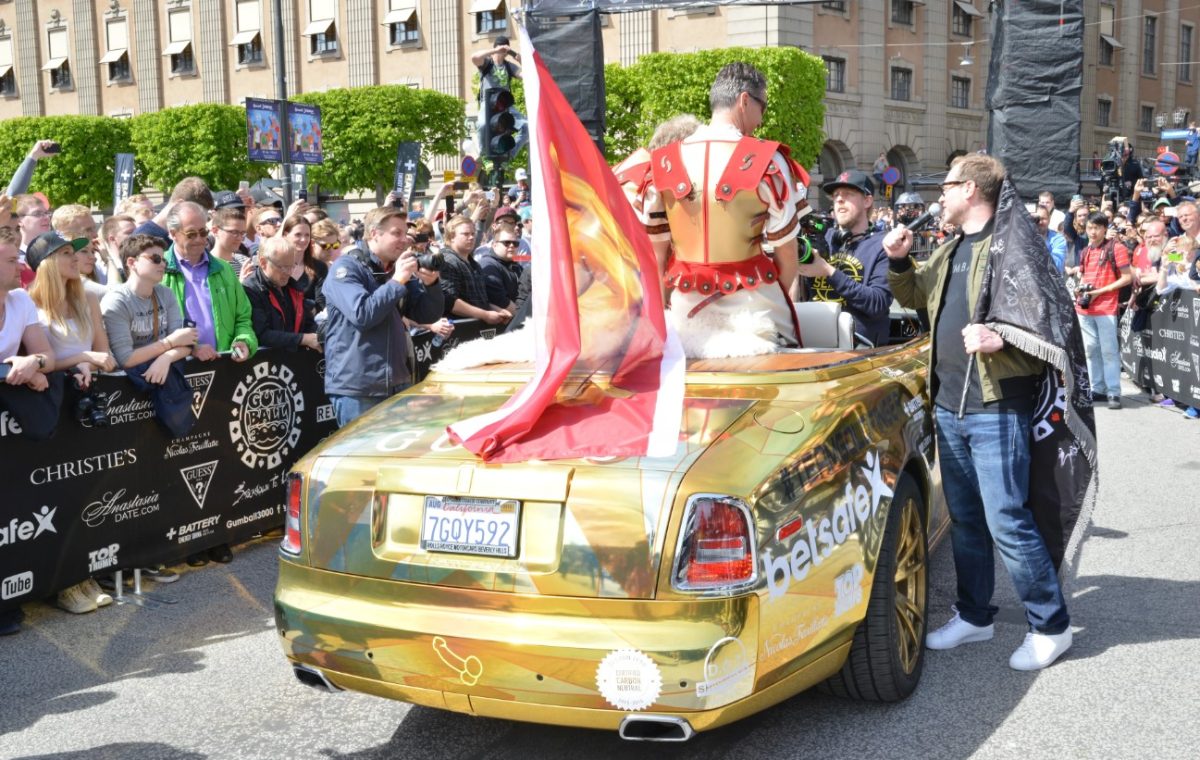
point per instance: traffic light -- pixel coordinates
(498, 134)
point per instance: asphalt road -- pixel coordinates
(204, 678)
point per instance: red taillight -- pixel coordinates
(291, 525)
(717, 549)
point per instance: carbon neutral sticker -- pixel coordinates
(628, 680)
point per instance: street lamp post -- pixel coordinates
(281, 96)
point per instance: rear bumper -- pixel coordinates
(533, 658)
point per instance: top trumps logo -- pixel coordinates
(266, 415)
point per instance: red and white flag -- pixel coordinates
(609, 375)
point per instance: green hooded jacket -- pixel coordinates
(923, 286)
(231, 306)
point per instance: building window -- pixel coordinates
(250, 52)
(1149, 44)
(401, 22)
(1103, 112)
(248, 39)
(58, 65)
(835, 74)
(1185, 52)
(960, 92)
(179, 49)
(322, 27)
(1146, 119)
(491, 16)
(835, 5)
(901, 84)
(8, 80)
(1108, 42)
(960, 21)
(902, 12)
(117, 57)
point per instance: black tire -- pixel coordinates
(888, 653)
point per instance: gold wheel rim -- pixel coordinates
(910, 582)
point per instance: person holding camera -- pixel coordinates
(1103, 270)
(367, 296)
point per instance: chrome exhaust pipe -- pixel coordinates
(313, 677)
(655, 728)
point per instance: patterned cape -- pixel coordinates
(1024, 300)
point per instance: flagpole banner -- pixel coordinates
(264, 131)
(1024, 300)
(305, 144)
(609, 373)
(123, 175)
(408, 158)
(1165, 357)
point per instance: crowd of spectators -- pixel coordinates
(220, 273)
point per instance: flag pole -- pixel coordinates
(962, 404)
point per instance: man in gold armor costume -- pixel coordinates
(723, 210)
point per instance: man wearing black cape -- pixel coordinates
(1012, 407)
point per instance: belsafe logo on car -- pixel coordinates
(857, 504)
(17, 531)
(266, 415)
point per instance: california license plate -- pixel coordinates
(466, 525)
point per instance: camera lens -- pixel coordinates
(430, 260)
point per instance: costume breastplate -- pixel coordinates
(709, 226)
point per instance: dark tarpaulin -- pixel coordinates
(1024, 300)
(1034, 82)
(573, 51)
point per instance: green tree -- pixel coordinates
(623, 111)
(675, 83)
(83, 171)
(207, 140)
(362, 126)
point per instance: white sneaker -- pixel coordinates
(76, 600)
(957, 631)
(1039, 650)
(96, 593)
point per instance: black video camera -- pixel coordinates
(812, 236)
(1083, 295)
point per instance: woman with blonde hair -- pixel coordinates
(78, 342)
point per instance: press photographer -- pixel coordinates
(367, 296)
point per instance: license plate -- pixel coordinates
(466, 525)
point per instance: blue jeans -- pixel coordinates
(1103, 348)
(985, 476)
(346, 409)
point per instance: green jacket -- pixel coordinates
(231, 307)
(924, 285)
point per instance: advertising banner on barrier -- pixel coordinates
(92, 500)
(1166, 355)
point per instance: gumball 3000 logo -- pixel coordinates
(266, 415)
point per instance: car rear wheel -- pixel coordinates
(888, 652)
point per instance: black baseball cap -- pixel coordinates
(227, 199)
(46, 245)
(852, 179)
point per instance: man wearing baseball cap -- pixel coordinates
(855, 274)
(504, 215)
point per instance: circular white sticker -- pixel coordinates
(628, 679)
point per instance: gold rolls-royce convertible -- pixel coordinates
(782, 545)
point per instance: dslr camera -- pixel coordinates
(91, 408)
(1083, 295)
(432, 261)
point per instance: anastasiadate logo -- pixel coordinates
(199, 382)
(266, 415)
(198, 477)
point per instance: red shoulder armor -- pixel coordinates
(635, 168)
(798, 172)
(670, 175)
(746, 168)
